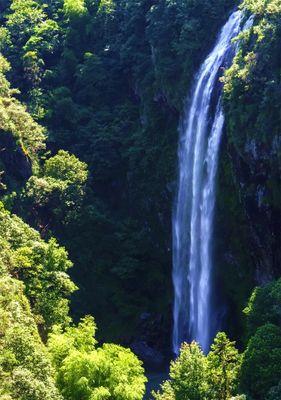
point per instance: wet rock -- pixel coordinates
(152, 358)
(152, 341)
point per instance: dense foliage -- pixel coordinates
(264, 346)
(25, 367)
(35, 287)
(223, 373)
(194, 376)
(89, 373)
(264, 352)
(108, 79)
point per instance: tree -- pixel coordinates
(84, 371)
(260, 369)
(264, 306)
(223, 367)
(42, 266)
(14, 118)
(57, 193)
(274, 393)
(22, 20)
(109, 372)
(81, 338)
(25, 368)
(187, 376)
(74, 8)
(194, 376)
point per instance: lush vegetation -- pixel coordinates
(195, 376)
(64, 55)
(224, 373)
(90, 97)
(34, 300)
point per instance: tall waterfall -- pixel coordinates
(201, 132)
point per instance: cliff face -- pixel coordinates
(249, 198)
(257, 181)
(247, 244)
(253, 97)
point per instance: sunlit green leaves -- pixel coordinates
(194, 376)
(41, 265)
(84, 371)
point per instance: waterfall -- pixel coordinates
(200, 137)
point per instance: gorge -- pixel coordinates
(129, 240)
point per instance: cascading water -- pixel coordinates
(194, 212)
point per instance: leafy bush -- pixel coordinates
(264, 306)
(260, 369)
(194, 376)
(15, 119)
(25, 369)
(274, 393)
(41, 265)
(84, 371)
(57, 193)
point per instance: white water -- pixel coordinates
(201, 132)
